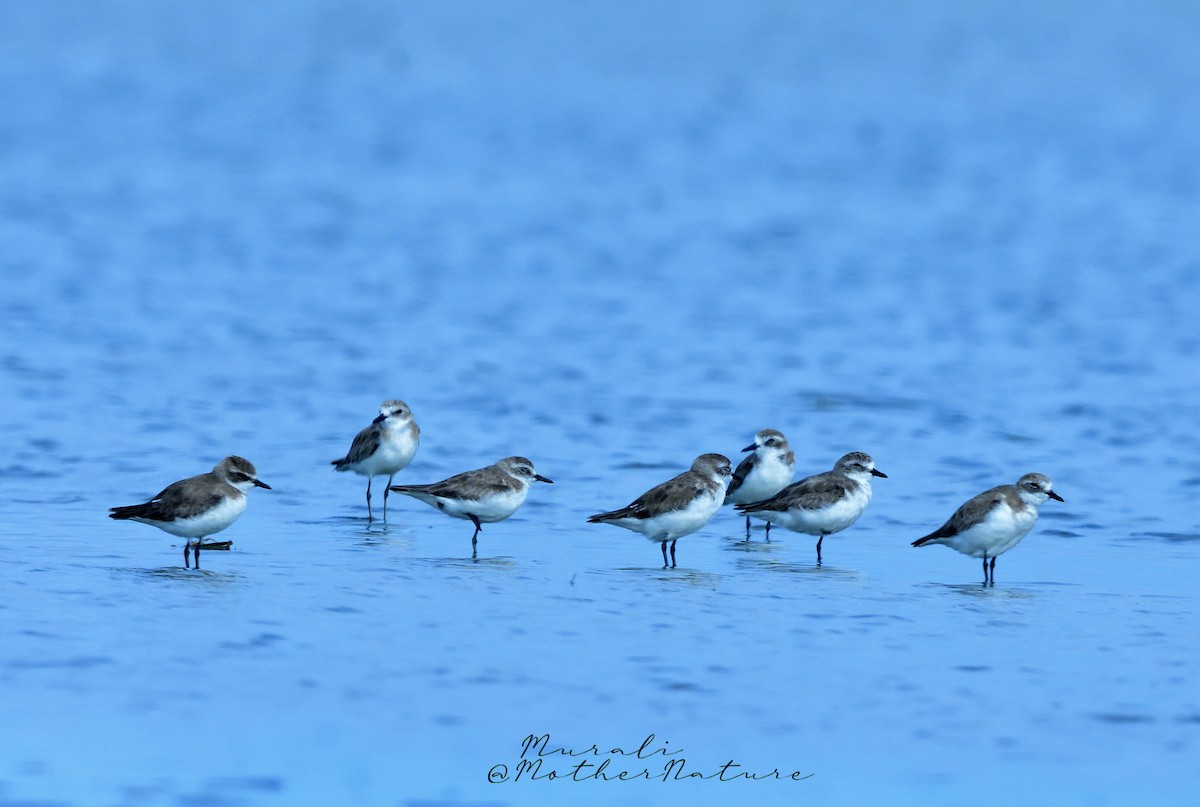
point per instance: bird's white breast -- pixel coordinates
(830, 519)
(677, 523)
(211, 521)
(490, 509)
(766, 478)
(999, 531)
(396, 450)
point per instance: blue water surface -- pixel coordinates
(609, 237)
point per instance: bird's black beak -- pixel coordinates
(541, 478)
(260, 484)
(1055, 496)
(878, 473)
(750, 447)
(382, 417)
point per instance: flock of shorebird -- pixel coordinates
(761, 487)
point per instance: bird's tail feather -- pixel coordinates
(411, 490)
(127, 511)
(612, 515)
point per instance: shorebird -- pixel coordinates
(384, 447)
(822, 504)
(198, 506)
(762, 474)
(483, 496)
(677, 507)
(995, 521)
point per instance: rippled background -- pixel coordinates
(608, 236)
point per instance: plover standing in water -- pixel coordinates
(762, 474)
(822, 504)
(384, 447)
(484, 496)
(677, 507)
(995, 521)
(198, 506)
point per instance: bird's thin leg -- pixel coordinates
(747, 528)
(768, 531)
(196, 553)
(474, 537)
(993, 566)
(370, 516)
(663, 544)
(673, 552)
(819, 540)
(385, 495)
(187, 546)
(985, 570)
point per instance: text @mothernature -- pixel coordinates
(542, 760)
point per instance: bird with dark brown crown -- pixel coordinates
(198, 506)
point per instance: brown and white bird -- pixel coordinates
(990, 524)
(762, 474)
(483, 496)
(384, 447)
(677, 507)
(824, 503)
(198, 506)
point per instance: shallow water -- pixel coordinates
(958, 238)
